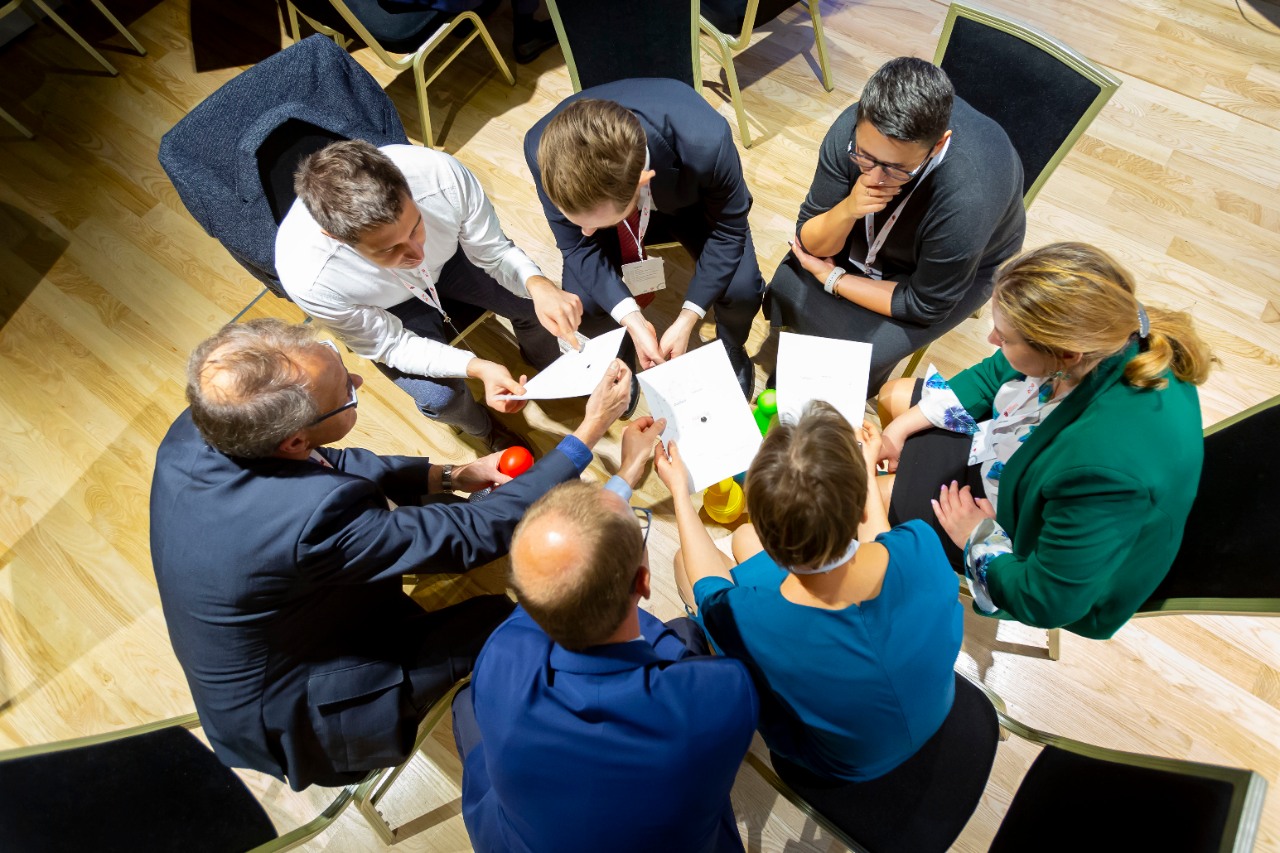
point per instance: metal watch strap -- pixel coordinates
(446, 478)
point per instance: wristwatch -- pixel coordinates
(446, 478)
(830, 284)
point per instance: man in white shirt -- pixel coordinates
(374, 240)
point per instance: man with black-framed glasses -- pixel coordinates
(279, 558)
(916, 200)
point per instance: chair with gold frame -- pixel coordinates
(730, 24)
(400, 39)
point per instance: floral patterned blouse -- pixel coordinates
(1020, 406)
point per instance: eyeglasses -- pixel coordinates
(644, 516)
(351, 388)
(866, 163)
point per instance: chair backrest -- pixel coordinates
(1078, 796)
(218, 154)
(1040, 91)
(158, 790)
(1226, 563)
(647, 39)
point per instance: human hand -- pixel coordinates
(497, 380)
(672, 470)
(638, 440)
(607, 402)
(675, 340)
(817, 267)
(559, 311)
(890, 451)
(480, 474)
(645, 337)
(959, 513)
(867, 196)
(869, 436)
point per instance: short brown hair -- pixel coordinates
(586, 601)
(1073, 297)
(266, 398)
(349, 187)
(807, 487)
(593, 151)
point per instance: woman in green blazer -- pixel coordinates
(1065, 464)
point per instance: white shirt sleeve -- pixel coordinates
(378, 335)
(481, 236)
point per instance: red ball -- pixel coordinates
(515, 461)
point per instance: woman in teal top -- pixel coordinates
(1080, 447)
(853, 645)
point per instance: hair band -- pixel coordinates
(1144, 328)
(827, 567)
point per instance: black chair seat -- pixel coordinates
(398, 28)
(163, 790)
(1070, 802)
(727, 15)
(924, 803)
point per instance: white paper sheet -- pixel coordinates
(813, 368)
(574, 374)
(707, 417)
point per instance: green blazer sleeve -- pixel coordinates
(976, 386)
(1092, 516)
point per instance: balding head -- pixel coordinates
(575, 560)
(248, 388)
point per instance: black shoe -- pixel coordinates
(635, 399)
(530, 38)
(500, 438)
(743, 370)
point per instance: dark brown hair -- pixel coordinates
(593, 151)
(807, 487)
(349, 187)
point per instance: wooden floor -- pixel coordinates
(108, 283)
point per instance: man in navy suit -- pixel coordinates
(279, 559)
(632, 158)
(589, 725)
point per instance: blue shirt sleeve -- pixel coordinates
(619, 487)
(579, 454)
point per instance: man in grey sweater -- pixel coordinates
(916, 200)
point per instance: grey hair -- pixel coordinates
(267, 398)
(349, 187)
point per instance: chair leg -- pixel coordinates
(66, 28)
(424, 113)
(735, 93)
(820, 43)
(1055, 643)
(488, 43)
(916, 358)
(142, 51)
(22, 128)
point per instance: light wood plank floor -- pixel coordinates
(108, 283)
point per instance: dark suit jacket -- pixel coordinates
(623, 747)
(280, 582)
(698, 172)
(212, 154)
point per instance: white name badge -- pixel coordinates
(644, 276)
